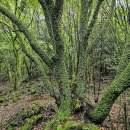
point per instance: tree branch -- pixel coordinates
(59, 8)
(92, 23)
(29, 35)
(37, 61)
(47, 6)
(54, 18)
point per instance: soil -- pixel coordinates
(23, 100)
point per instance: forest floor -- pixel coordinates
(30, 104)
(14, 105)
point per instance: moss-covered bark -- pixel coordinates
(119, 85)
(54, 12)
(86, 26)
(48, 6)
(29, 35)
(85, 8)
(65, 95)
(64, 87)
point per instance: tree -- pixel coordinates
(53, 12)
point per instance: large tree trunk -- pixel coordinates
(120, 84)
(85, 9)
(53, 11)
(64, 87)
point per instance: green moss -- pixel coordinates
(29, 122)
(34, 119)
(36, 109)
(10, 127)
(32, 90)
(78, 104)
(73, 125)
(59, 127)
(31, 116)
(15, 99)
(90, 127)
(15, 96)
(27, 127)
(2, 99)
(28, 86)
(77, 125)
(27, 114)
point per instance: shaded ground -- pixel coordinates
(31, 95)
(20, 101)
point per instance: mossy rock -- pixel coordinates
(90, 127)
(34, 119)
(29, 122)
(32, 114)
(73, 125)
(27, 114)
(26, 127)
(77, 125)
